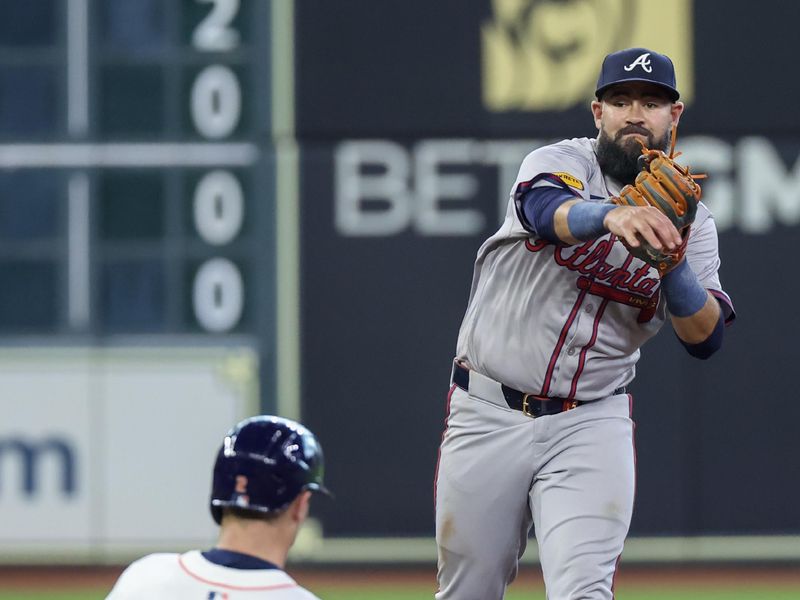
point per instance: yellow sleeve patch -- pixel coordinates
(570, 180)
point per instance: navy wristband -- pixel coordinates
(682, 291)
(585, 220)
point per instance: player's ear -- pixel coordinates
(597, 112)
(676, 111)
(299, 507)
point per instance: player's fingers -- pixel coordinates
(632, 239)
(635, 224)
(637, 230)
(651, 236)
(663, 228)
(622, 223)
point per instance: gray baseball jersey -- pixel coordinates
(190, 576)
(561, 322)
(568, 321)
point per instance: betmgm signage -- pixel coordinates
(44, 466)
(544, 55)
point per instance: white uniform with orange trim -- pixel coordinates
(554, 321)
(190, 576)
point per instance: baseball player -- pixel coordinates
(264, 474)
(583, 271)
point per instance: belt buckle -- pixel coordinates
(567, 404)
(526, 406)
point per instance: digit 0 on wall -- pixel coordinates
(218, 206)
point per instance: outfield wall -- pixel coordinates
(305, 185)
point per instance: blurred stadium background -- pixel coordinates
(212, 208)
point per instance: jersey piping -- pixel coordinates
(582, 360)
(560, 344)
(243, 588)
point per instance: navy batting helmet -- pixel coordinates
(264, 463)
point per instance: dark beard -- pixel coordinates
(620, 160)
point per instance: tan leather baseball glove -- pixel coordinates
(674, 191)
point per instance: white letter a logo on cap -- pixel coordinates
(643, 61)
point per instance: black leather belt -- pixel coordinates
(530, 404)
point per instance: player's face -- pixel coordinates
(629, 115)
(636, 110)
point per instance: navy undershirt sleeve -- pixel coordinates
(539, 206)
(711, 344)
(537, 210)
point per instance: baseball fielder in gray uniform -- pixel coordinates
(539, 428)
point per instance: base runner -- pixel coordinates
(264, 475)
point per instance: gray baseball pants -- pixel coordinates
(571, 475)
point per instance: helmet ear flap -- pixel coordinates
(216, 514)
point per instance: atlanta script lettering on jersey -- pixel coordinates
(590, 259)
(622, 285)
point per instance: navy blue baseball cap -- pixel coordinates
(637, 64)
